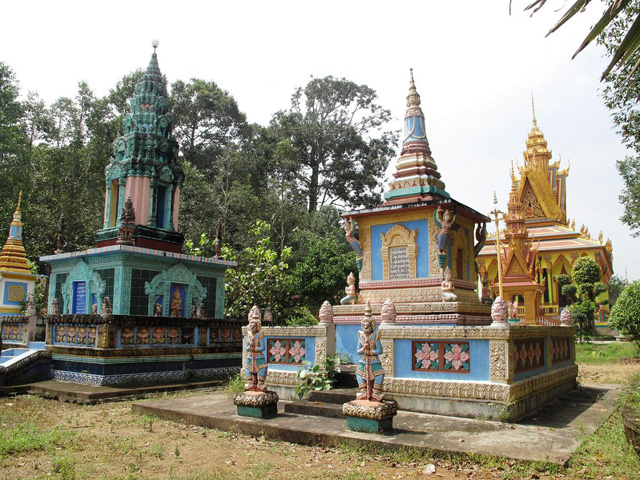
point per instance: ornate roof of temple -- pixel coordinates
(541, 193)
(13, 257)
(417, 177)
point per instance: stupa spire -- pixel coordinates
(533, 111)
(417, 177)
(12, 256)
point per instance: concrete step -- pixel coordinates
(336, 396)
(316, 409)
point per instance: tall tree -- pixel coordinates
(206, 120)
(335, 128)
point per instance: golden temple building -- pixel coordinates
(541, 191)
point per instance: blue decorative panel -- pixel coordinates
(347, 341)
(290, 352)
(79, 297)
(422, 241)
(442, 359)
(15, 293)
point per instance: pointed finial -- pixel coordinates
(19, 200)
(413, 99)
(495, 198)
(367, 309)
(533, 110)
(154, 44)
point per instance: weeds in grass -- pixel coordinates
(27, 438)
(592, 353)
(64, 468)
(236, 384)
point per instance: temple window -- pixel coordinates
(114, 198)
(161, 206)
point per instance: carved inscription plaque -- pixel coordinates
(399, 263)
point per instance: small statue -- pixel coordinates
(127, 225)
(218, 239)
(445, 220)
(512, 309)
(193, 310)
(176, 304)
(350, 290)
(256, 362)
(369, 373)
(61, 242)
(94, 309)
(202, 312)
(499, 313)
(388, 312)
(31, 306)
(352, 237)
(157, 310)
(565, 318)
(54, 308)
(326, 313)
(447, 287)
(106, 306)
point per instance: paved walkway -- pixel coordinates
(552, 434)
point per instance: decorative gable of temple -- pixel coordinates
(542, 194)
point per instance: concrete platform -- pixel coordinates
(551, 434)
(88, 394)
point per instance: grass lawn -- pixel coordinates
(607, 353)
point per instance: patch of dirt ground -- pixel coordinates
(608, 374)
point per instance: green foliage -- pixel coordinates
(300, 317)
(334, 126)
(27, 437)
(629, 170)
(604, 353)
(616, 285)
(261, 278)
(317, 377)
(582, 292)
(236, 384)
(625, 315)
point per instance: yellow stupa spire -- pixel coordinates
(12, 256)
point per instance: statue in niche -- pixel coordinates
(445, 220)
(218, 239)
(157, 310)
(61, 242)
(94, 309)
(106, 306)
(352, 237)
(369, 373)
(127, 225)
(193, 310)
(54, 308)
(202, 312)
(512, 308)
(256, 362)
(447, 288)
(176, 304)
(350, 290)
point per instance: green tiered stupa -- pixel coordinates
(138, 261)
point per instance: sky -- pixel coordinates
(476, 68)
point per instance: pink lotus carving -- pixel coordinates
(297, 351)
(456, 356)
(277, 351)
(426, 355)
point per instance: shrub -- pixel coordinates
(625, 315)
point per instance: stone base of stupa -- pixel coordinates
(257, 404)
(370, 416)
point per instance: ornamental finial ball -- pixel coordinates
(155, 43)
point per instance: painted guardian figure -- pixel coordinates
(256, 361)
(370, 374)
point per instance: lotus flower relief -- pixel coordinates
(456, 356)
(297, 351)
(277, 351)
(427, 355)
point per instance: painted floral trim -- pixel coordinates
(289, 351)
(430, 356)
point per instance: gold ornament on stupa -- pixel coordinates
(13, 257)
